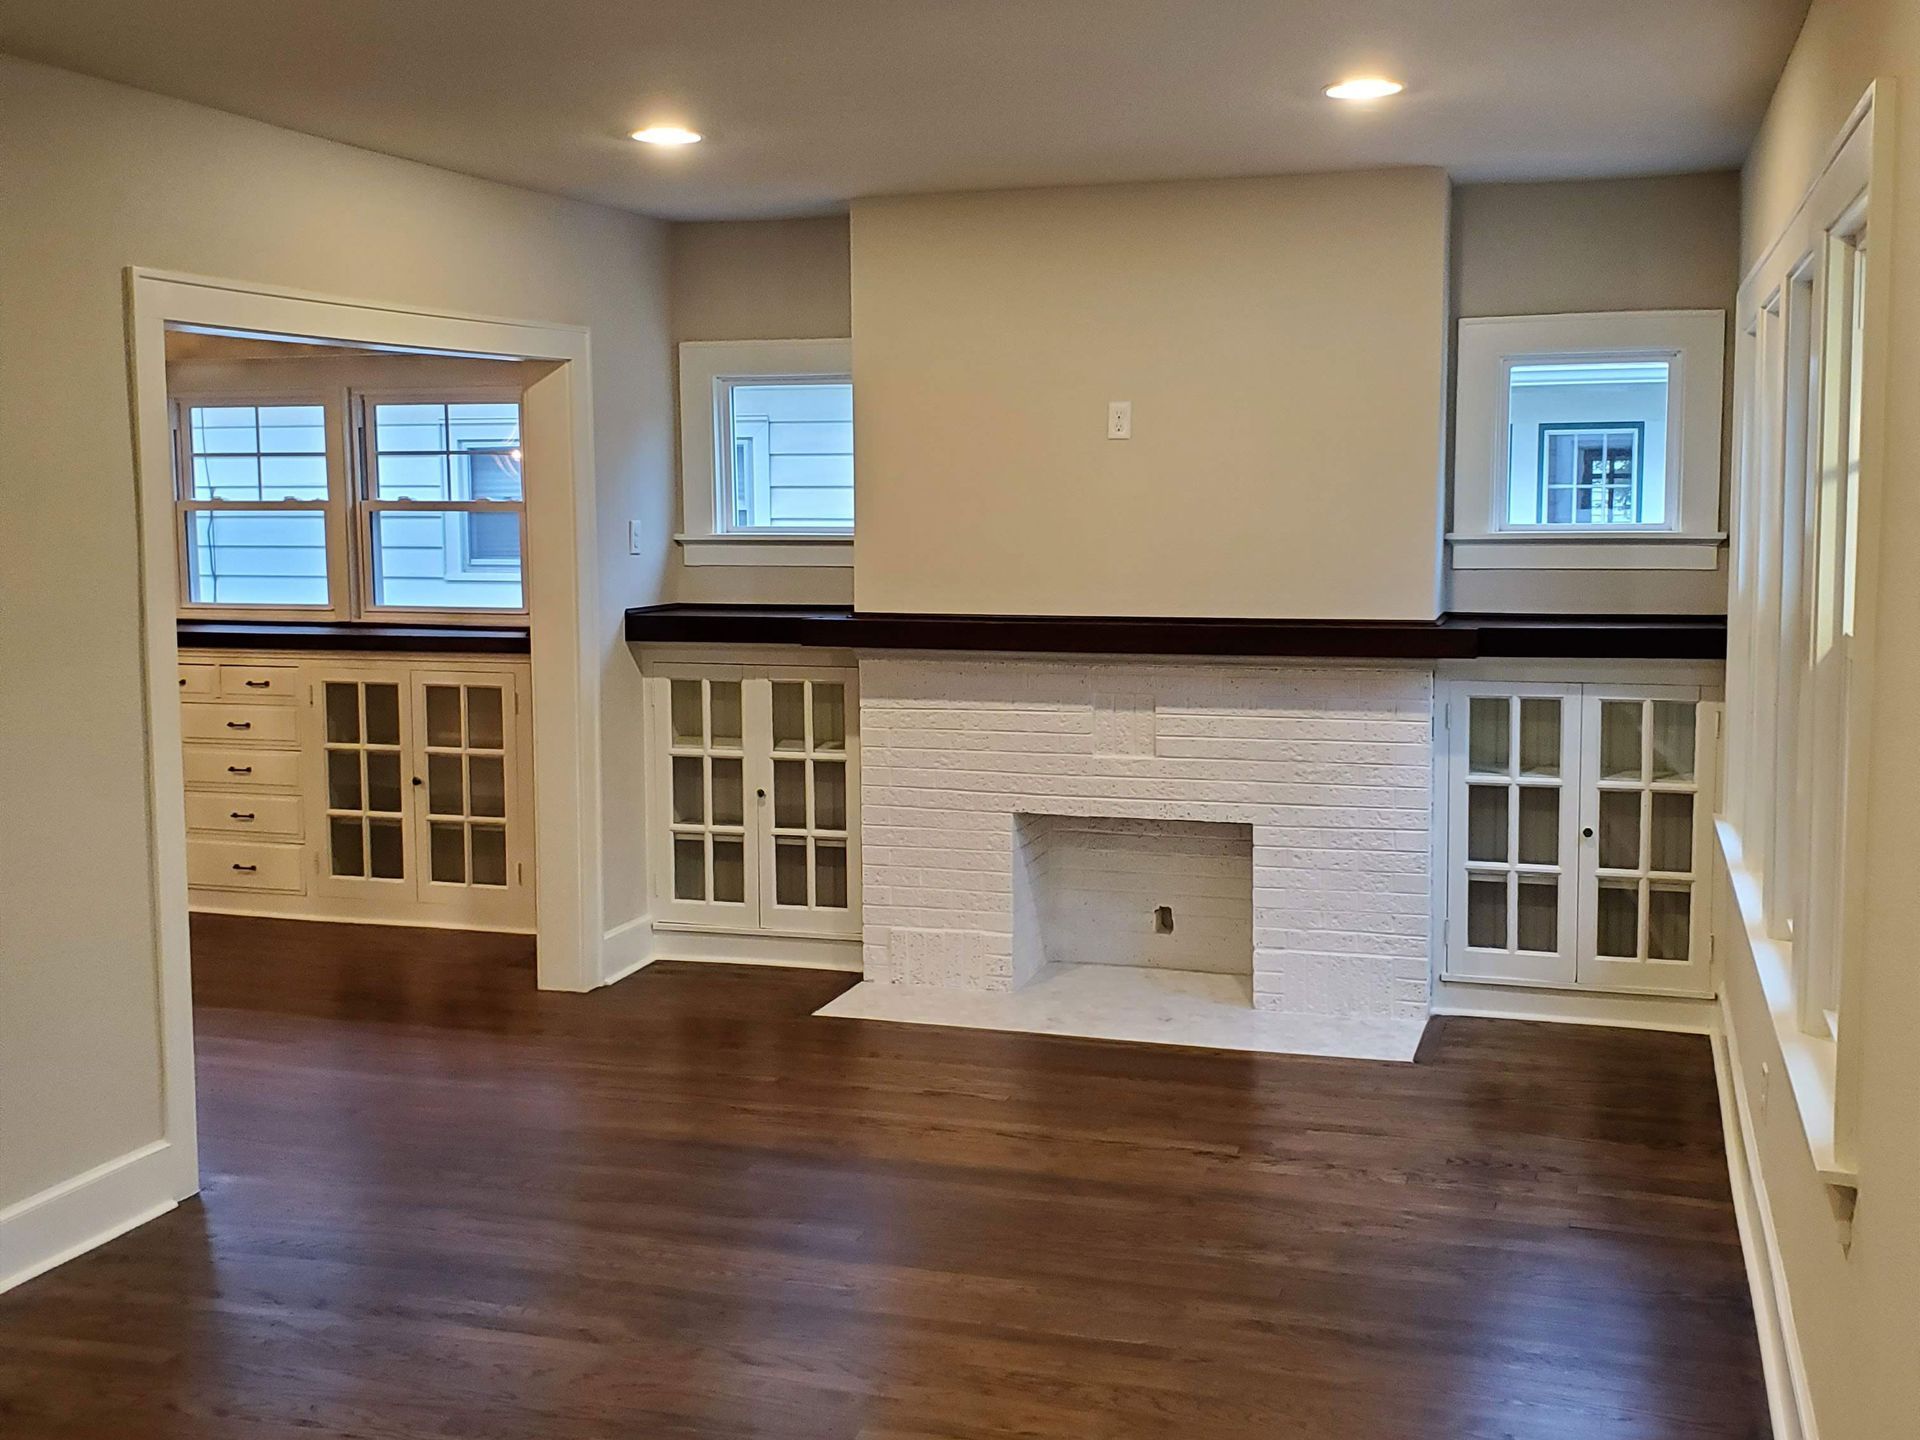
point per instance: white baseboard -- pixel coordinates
(811, 952)
(199, 905)
(1788, 1401)
(625, 949)
(1576, 1007)
(70, 1218)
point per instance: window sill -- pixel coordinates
(834, 548)
(1809, 1060)
(1560, 550)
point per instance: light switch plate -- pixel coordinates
(633, 537)
(1119, 419)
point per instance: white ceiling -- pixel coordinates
(808, 103)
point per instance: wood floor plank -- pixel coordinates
(440, 1203)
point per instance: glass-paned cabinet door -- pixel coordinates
(470, 820)
(755, 797)
(810, 842)
(363, 754)
(1648, 771)
(707, 865)
(1513, 766)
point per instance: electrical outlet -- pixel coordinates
(1119, 419)
(633, 537)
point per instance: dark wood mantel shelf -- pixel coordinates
(1452, 637)
(373, 639)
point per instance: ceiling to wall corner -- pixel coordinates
(809, 103)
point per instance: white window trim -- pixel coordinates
(1693, 344)
(333, 402)
(1799, 889)
(365, 477)
(705, 367)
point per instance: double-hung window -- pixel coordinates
(1589, 440)
(350, 506)
(257, 505)
(442, 503)
(766, 433)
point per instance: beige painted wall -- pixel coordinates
(97, 177)
(1858, 1311)
(1282, 343)
(759, 280)
(1669, 242)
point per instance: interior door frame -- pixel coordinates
(562, 594)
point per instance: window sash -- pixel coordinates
(735, 501)
(332, 508)
(460, 567)
(349, 510)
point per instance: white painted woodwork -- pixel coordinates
(237, 723)
(754, 809)
(236, 768)
(239, 813)
(1578, 816)
(258, 682)
(296, 807)
(214, 865)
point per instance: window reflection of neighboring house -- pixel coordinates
(491, 472)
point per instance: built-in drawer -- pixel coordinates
(230, 767)
(243, 814)
(259, 682)
(199, 680)
(240, 724)
(243, 865)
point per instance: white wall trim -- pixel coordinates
(1789, 1403)
(704, 365)
(812, 952)
(626, 949)
(562, 592)
(1686, 1015)
(73, 1217)
(1693, 342)
(1555, 552)
(796, 549)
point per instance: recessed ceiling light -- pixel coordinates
(1366, 87)
(667, 135)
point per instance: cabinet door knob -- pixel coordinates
(761, 794)
(1586, 832)
(418, 781)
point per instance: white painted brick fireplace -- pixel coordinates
(1328, 768)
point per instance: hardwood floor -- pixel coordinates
(440, 1203)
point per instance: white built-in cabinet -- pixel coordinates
(755, 785)
(1578, 823)
(349, 788)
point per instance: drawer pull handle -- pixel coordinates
(239, 769)
(258, 684)
(240, 815)
(248, 868)
(239, 724)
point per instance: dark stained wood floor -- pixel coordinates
(439, 1203)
